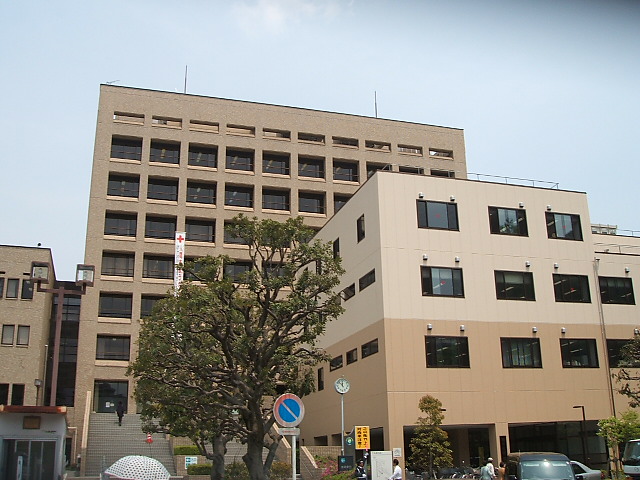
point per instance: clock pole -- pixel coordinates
(342, 386)
(342, 415)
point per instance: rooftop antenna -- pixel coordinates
(375, 101)
(111, 82)
(185, 78)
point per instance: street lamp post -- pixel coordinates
(84, 279)
(583, 433)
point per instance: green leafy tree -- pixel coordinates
(213, 357)
(618, 431)
(430, 447)
(628, 377)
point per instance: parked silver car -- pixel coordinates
(586, 472)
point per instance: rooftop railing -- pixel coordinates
(481, 177)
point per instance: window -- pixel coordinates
(614, 351)
(203, 156)
(311, 138)
(412, 170)
(201, 193)
(112, 348)
(162, 189)
(579, 353)
(348, 292)
(616, 290)
(339, 201)
(200, 230)
(345, 171)
(23, 335)
(352, 356)
(410, 150)
(17, 394)
(367, 280)
(275, 199)
(447, 352)
(241, 130)
(128, 117)
(442, 173)
(27, 290)
(238, 196)
(240, 160)
(360, 228)
(275, 163)
(126, 148)
(8, 332)
(571, 288)
(309, 202)
(13, 285)
(336, 248)
(275, 134)
(521, 353)
(147, 302)
(202, 126)
(437, 152)
(508, 221)
(563, 226)
(156, 266)
(335, 363)
(236, 271)
(117, 264)
(1, 292)
(373, 168)
(437, 215)
(514, 285)
(116, 305)
(312, 167)
(166, 122)
(379, 146)
(165, 152)
(446, 282)
(160, 227)
(229, 237)
(123, 185)
(345, 142)
(4, 393)
(122, 224)
(369, 348)
(320, 379)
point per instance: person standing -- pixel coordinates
(397, 471)
(360, 472)
(501, 471)
(120, 412)
(488, 472)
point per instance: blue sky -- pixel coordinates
(544, 89)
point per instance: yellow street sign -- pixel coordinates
(362, 438)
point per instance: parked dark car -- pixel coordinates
(539, 466)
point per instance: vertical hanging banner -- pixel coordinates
(178, 273)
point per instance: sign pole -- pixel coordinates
(293, 457)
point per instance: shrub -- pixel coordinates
(329, 466)
(280, 471)
(199, 469)
(236, 471)
(186, 450)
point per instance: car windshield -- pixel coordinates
(546, 470)
(632, 453)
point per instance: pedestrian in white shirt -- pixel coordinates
(488, 472)
(397, 471)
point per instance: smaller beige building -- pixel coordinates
(496, 299)
(24, 317)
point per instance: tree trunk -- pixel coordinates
(219, 447)
(253, 459)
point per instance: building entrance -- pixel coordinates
(107, 395)
(35, 459)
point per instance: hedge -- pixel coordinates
(186, 450)
(199, 469)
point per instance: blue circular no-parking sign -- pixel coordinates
(288, 410)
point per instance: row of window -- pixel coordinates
(453, 352)
(16, 336)
(120, 305)
(366, 350)
(278, 134)
(13, 288)
(364, 281)
(234, 195)
(502, 221)
(17, 394)
(510, 285)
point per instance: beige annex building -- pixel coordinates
(496, 299)
(167, 162)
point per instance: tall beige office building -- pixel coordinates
(167, 162)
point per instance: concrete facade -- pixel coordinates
(491, 408)
(24, 317)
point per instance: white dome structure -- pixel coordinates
(137, 467)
